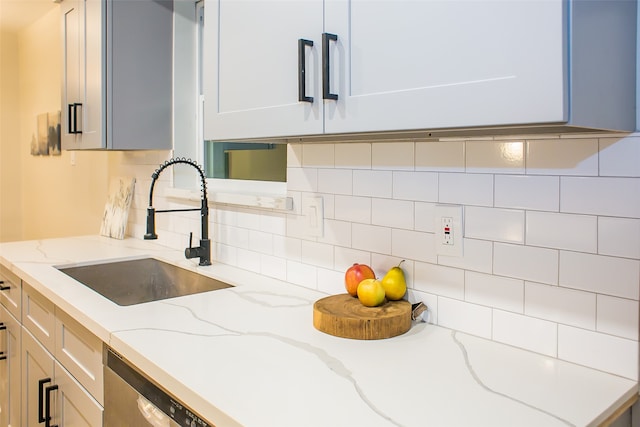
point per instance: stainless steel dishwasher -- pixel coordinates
(133, 400)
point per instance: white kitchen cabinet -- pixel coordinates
(10, 375)
(10, 292)
(117, 74)
(37, 375)
(398, 65)
(58, 349)
(251, 68)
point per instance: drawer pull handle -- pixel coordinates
(3, 356)
(41, 383)
(326, 79)
(47, 406)
(302, 70)
(2, 287)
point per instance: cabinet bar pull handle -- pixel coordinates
(2, 326)
(47, 406)
(4, 288)
(326, 80)
(70, 114)
(41, 383)
(302, 70)
(75, 117)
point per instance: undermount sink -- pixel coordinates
(141, 280)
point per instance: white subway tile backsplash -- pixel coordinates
(574, 216)
(346, 257)
(419, 186)
(372, 183)
(249, 260)
(477, 256)
(438, 280)
(273, 267)
(318, 155)
(392, 213)
(525, 332)
(336, 233)
(273, 222)
(620, 156)
(330, 281)
(392, 155)
(302, 274)
(287, 247)
(617, 316)
(562, 231)
(500, 292)
(465, 317)
(414, 245)
(352, 208)
(318, 254)
(261, 241)
(466, 189)
(500, 157)
(503, 225)
(601, 196)
(353, 156)
(335, 181)
(302, 179)
(619, 237)
(561, 305)
(424, 217)
(440, 156)
(599, 351)
(371, 238)
(601, 274)
(562, 157)
(528, 192)
(526, 262)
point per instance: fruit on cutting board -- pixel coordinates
(356, 274)
(394, 283)
(371, 293)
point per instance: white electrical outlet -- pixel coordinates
(448, 225)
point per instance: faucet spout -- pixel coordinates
(204, 250)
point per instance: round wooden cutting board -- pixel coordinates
(345, 316)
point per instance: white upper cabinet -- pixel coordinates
(117, 74)
(409, 65)
(251, 68)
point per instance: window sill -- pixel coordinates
(267, 201)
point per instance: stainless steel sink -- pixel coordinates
(141, 280)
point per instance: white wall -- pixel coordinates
(47, 196)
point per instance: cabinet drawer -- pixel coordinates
(38, 316)
(10, 293)
(80, 352)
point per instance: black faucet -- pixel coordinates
(204, 250)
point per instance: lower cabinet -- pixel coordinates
(10, 373)
(50, 394)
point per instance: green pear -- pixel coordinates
(394, 283)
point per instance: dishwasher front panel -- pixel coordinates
(132, 400)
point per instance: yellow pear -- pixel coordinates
(394, 283)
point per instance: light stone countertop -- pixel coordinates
(249, 355)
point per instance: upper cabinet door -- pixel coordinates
(428, 64)
(251, 69)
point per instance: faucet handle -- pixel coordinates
(190, 239)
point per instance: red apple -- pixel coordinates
(356, 274)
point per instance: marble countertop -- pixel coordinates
(249, 355)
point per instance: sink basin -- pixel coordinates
(141, 280)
